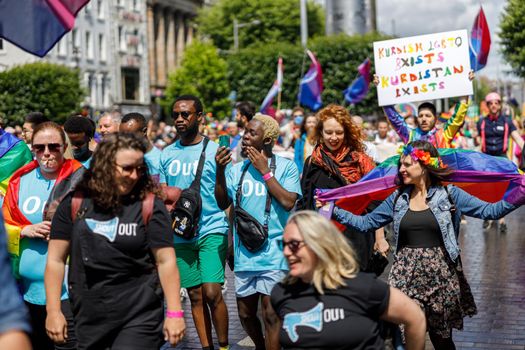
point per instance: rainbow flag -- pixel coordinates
(37, 25)
(13, 155)
(486, 177)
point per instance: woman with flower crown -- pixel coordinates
(426, 216)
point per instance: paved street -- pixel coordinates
(494, 267)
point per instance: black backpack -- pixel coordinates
(186, 213)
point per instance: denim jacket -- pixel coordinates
(439, 204)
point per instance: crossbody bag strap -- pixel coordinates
(269, 197)
(197, 181)
(238, 194)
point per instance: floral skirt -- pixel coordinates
(437, 284)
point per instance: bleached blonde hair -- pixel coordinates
(336, 259)
(271, 127)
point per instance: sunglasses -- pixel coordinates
(128, 169)
(184, 115)
(293, 245)
(493, 103)
(52, 147)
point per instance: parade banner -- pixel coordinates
(425, 67)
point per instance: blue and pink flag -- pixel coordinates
(311, 85)
(479, 42)
(486, 177)
(266, 105)
(358, 90)
(37, 25)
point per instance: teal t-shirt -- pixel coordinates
(253, 200)
(32, 197)
(152, 159)
(178, 165)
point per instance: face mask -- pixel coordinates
(82, 153)
(298, 120)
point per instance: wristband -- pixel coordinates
(267, 176)
(175, 314)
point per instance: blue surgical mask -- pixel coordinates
(298, 120)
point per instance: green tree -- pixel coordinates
(204, 74)
(252, 71)
(279, 21)
(513, 35)
(49, 88)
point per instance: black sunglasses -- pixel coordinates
(184, 114)
(128, 169)
(52, 147)
(293, 245)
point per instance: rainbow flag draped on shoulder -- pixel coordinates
(13, 155)
(486, 177)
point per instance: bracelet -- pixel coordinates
(175, 314)
(267, 176)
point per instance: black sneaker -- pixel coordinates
(486, 224)
(503, 227)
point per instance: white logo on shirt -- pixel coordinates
(249, 187)
(33, 204)
(176, 166)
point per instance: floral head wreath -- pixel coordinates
(423, 156)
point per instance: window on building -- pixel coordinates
(122, 38)
(102, 47)
(120, 3)
(100, 9)
(130, 84)
(62, 46)
(90, 52)
(76, 39)
(1, 44)
(135, 5)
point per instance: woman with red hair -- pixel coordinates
(338, 159)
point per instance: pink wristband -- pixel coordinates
(267, 176)
(175, 314)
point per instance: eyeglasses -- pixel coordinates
(52, 147)
(293, 245)
(128, 169)
(184, 114)
(493, 103)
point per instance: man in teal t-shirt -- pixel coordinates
(257, 272)
(136, 123)
(200, 260)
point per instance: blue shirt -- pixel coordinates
(13, 312)
(253, 200)
(495, 134)
(32, 197)
(178, 165)
(152, 159)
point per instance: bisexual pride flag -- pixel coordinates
(486, 177)
(357, 91)
(311, 85)
(37, 25)
(266, 106)
(479, 42)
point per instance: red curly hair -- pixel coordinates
(353, 136)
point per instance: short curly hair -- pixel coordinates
(271, 127)
(353, 136)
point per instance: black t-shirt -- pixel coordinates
(420, 229)
(129, 240)
(345, 318)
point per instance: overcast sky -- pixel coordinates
(415, 17)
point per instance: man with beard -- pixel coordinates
(200, 260)
(80, 131)
(135, 123)
(265, 178)
(494, 132)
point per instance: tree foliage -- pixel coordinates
(204, 74)
(280, 21)
(513, 35)
(252, 71)
(49, 88)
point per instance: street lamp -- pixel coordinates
(236, 26)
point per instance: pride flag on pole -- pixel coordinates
(311, 85)
(479, 42)
(357, 91)
(37, 25)
(266, 105)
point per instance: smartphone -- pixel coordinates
(224, 140)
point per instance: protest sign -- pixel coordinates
(425, 67)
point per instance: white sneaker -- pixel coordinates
(224, 286)
(183, 294)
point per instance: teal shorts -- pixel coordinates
(202, 261)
